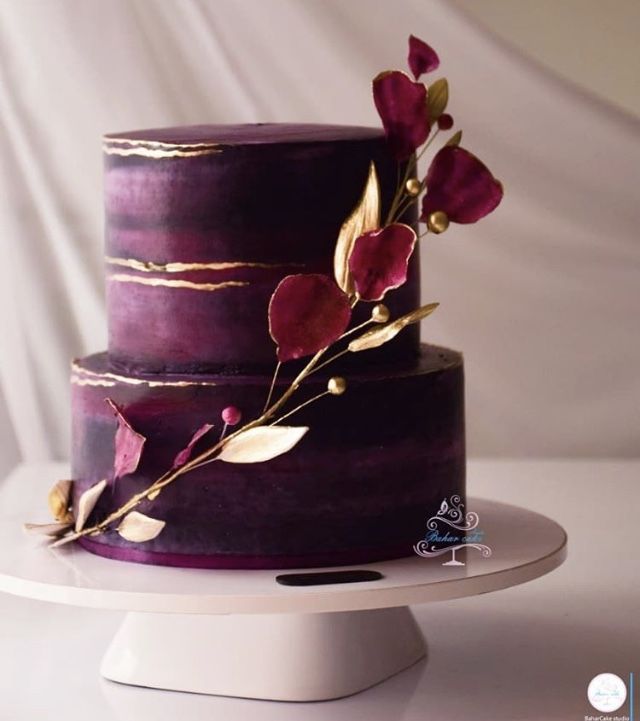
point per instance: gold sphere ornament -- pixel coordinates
(380, 313)
(413, 187)
(337, 385)
(438, 221)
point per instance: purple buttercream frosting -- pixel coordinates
(375, 464)
(202, 222)
(197, 242)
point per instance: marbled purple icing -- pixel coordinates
(271, 194)
(359, 487)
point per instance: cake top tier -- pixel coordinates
(202, 136)
(203, 222)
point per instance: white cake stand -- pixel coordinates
(239, 633)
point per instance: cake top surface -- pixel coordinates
(247, 134)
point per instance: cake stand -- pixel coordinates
(240, 633)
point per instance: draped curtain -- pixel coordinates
(542, 296)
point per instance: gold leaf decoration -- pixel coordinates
(138, 528)
(47, 529)
(374, 338)
(455, 139)
(59, 497)
(87, 502)
(417, 315)
(261, 444)
(381, 335)
(364, 217)
(438, 98)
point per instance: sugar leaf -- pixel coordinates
(138, 528)
(364, 217)
(128, 445)
(87, 502)
(261, 444)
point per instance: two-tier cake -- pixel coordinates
(265, 401)
(201, 225)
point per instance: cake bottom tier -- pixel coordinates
(360, 486)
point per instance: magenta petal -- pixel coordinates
(460, 185)
(185, 453)
(402, 106)
(307, 312)
(128, 445)
(422, 57)
(379, 260)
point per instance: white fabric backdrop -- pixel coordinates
(543, 296)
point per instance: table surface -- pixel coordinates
(527, 652)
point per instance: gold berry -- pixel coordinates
(337, 385)
(438, 221)
(380, 313)
(413, 187)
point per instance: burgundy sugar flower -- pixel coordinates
(402, 106)
(461, 186)
(307, 312)
(379, 260)
(422, 57)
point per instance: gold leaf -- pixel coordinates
(455, 139)
(261, 444)
(138, 528)
(59, 497)
(364, 217)
(381, 335)
(47, 529)
(87, 502)
(417, 315)
(437, 98)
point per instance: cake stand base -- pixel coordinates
(241, 633)
(285, 657)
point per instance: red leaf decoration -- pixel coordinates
(379, 260)
(185, 453)
(402, 106)
(460, 185)
(307, 312)
(128, 444)
(422, 57)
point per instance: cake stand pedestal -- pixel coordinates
(239, 633)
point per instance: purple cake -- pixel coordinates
(202, 223)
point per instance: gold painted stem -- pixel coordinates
(172, 475)
(301, 406)
(412, 163)
(272, 386)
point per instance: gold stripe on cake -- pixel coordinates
(106, 139)
(111, 379)
(124, 278)
(91, 382)
(160, 152)
(147, 266)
